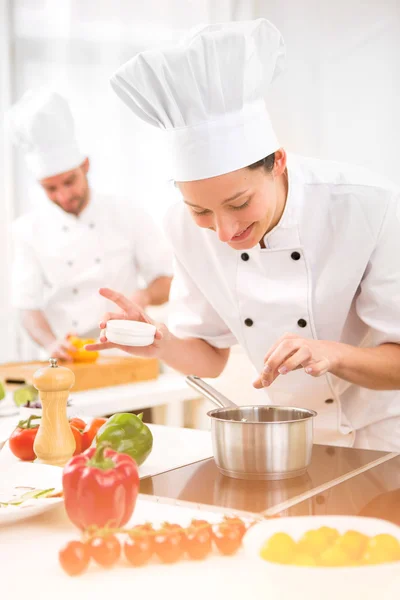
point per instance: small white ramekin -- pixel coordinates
(130, 333)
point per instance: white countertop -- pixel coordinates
(173, 447)
(29, 549)
(30, 568)
(168, 389)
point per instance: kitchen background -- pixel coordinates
(338, 98)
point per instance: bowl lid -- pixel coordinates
(131, 327)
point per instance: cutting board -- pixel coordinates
(106, 371)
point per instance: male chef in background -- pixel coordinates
(79, 240)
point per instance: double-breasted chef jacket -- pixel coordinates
(61, 261)
(330, 270)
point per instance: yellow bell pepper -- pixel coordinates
(82, 355)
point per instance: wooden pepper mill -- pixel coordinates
(54, 443)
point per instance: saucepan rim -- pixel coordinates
(214, 414)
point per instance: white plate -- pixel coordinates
(33, 475)
(357, 582)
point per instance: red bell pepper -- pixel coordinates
(100, 488)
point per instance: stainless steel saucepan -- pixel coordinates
(258, 442)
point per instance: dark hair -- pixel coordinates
(266, 163)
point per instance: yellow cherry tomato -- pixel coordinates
(353, 543)
(331, 534)
(334, 556)
(303, 560)
(280, 548)
(325, 547)
(313, 542)
(382, 548)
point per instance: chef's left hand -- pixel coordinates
(292, 352)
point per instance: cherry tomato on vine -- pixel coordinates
(235, 522)
(169, 545)
(198, 542)
(139, 549)
(74, 557)
(201, 523)
(227, 539)
(105, 550)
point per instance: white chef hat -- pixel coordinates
(41, 124)
(208, 93)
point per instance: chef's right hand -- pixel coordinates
(61, 349)
(131, 312)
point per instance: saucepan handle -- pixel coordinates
(209, 392)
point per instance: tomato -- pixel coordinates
(314, 542)
(105, 550)
(177, 529)
(330, 533)
(198, 542)
(143, 529)
(169, 545)
(139, 549)
(201, 524)
(90, 432)
(74, 558)
(78, 440)
(235, 522)
(227, 538)
(22, 439)
(381, 549)
(304, 560)
(385, 542)
(78, 423)
(280, 548)
(334, 556)
(172, 526)
(353, 543)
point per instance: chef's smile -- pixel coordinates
(242, 235)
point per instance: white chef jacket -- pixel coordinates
(330, 271)
(61, 261)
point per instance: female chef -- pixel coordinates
(295, 259)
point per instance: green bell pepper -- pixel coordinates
(127, 434)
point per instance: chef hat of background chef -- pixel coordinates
(41, 124)
(208, 93)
